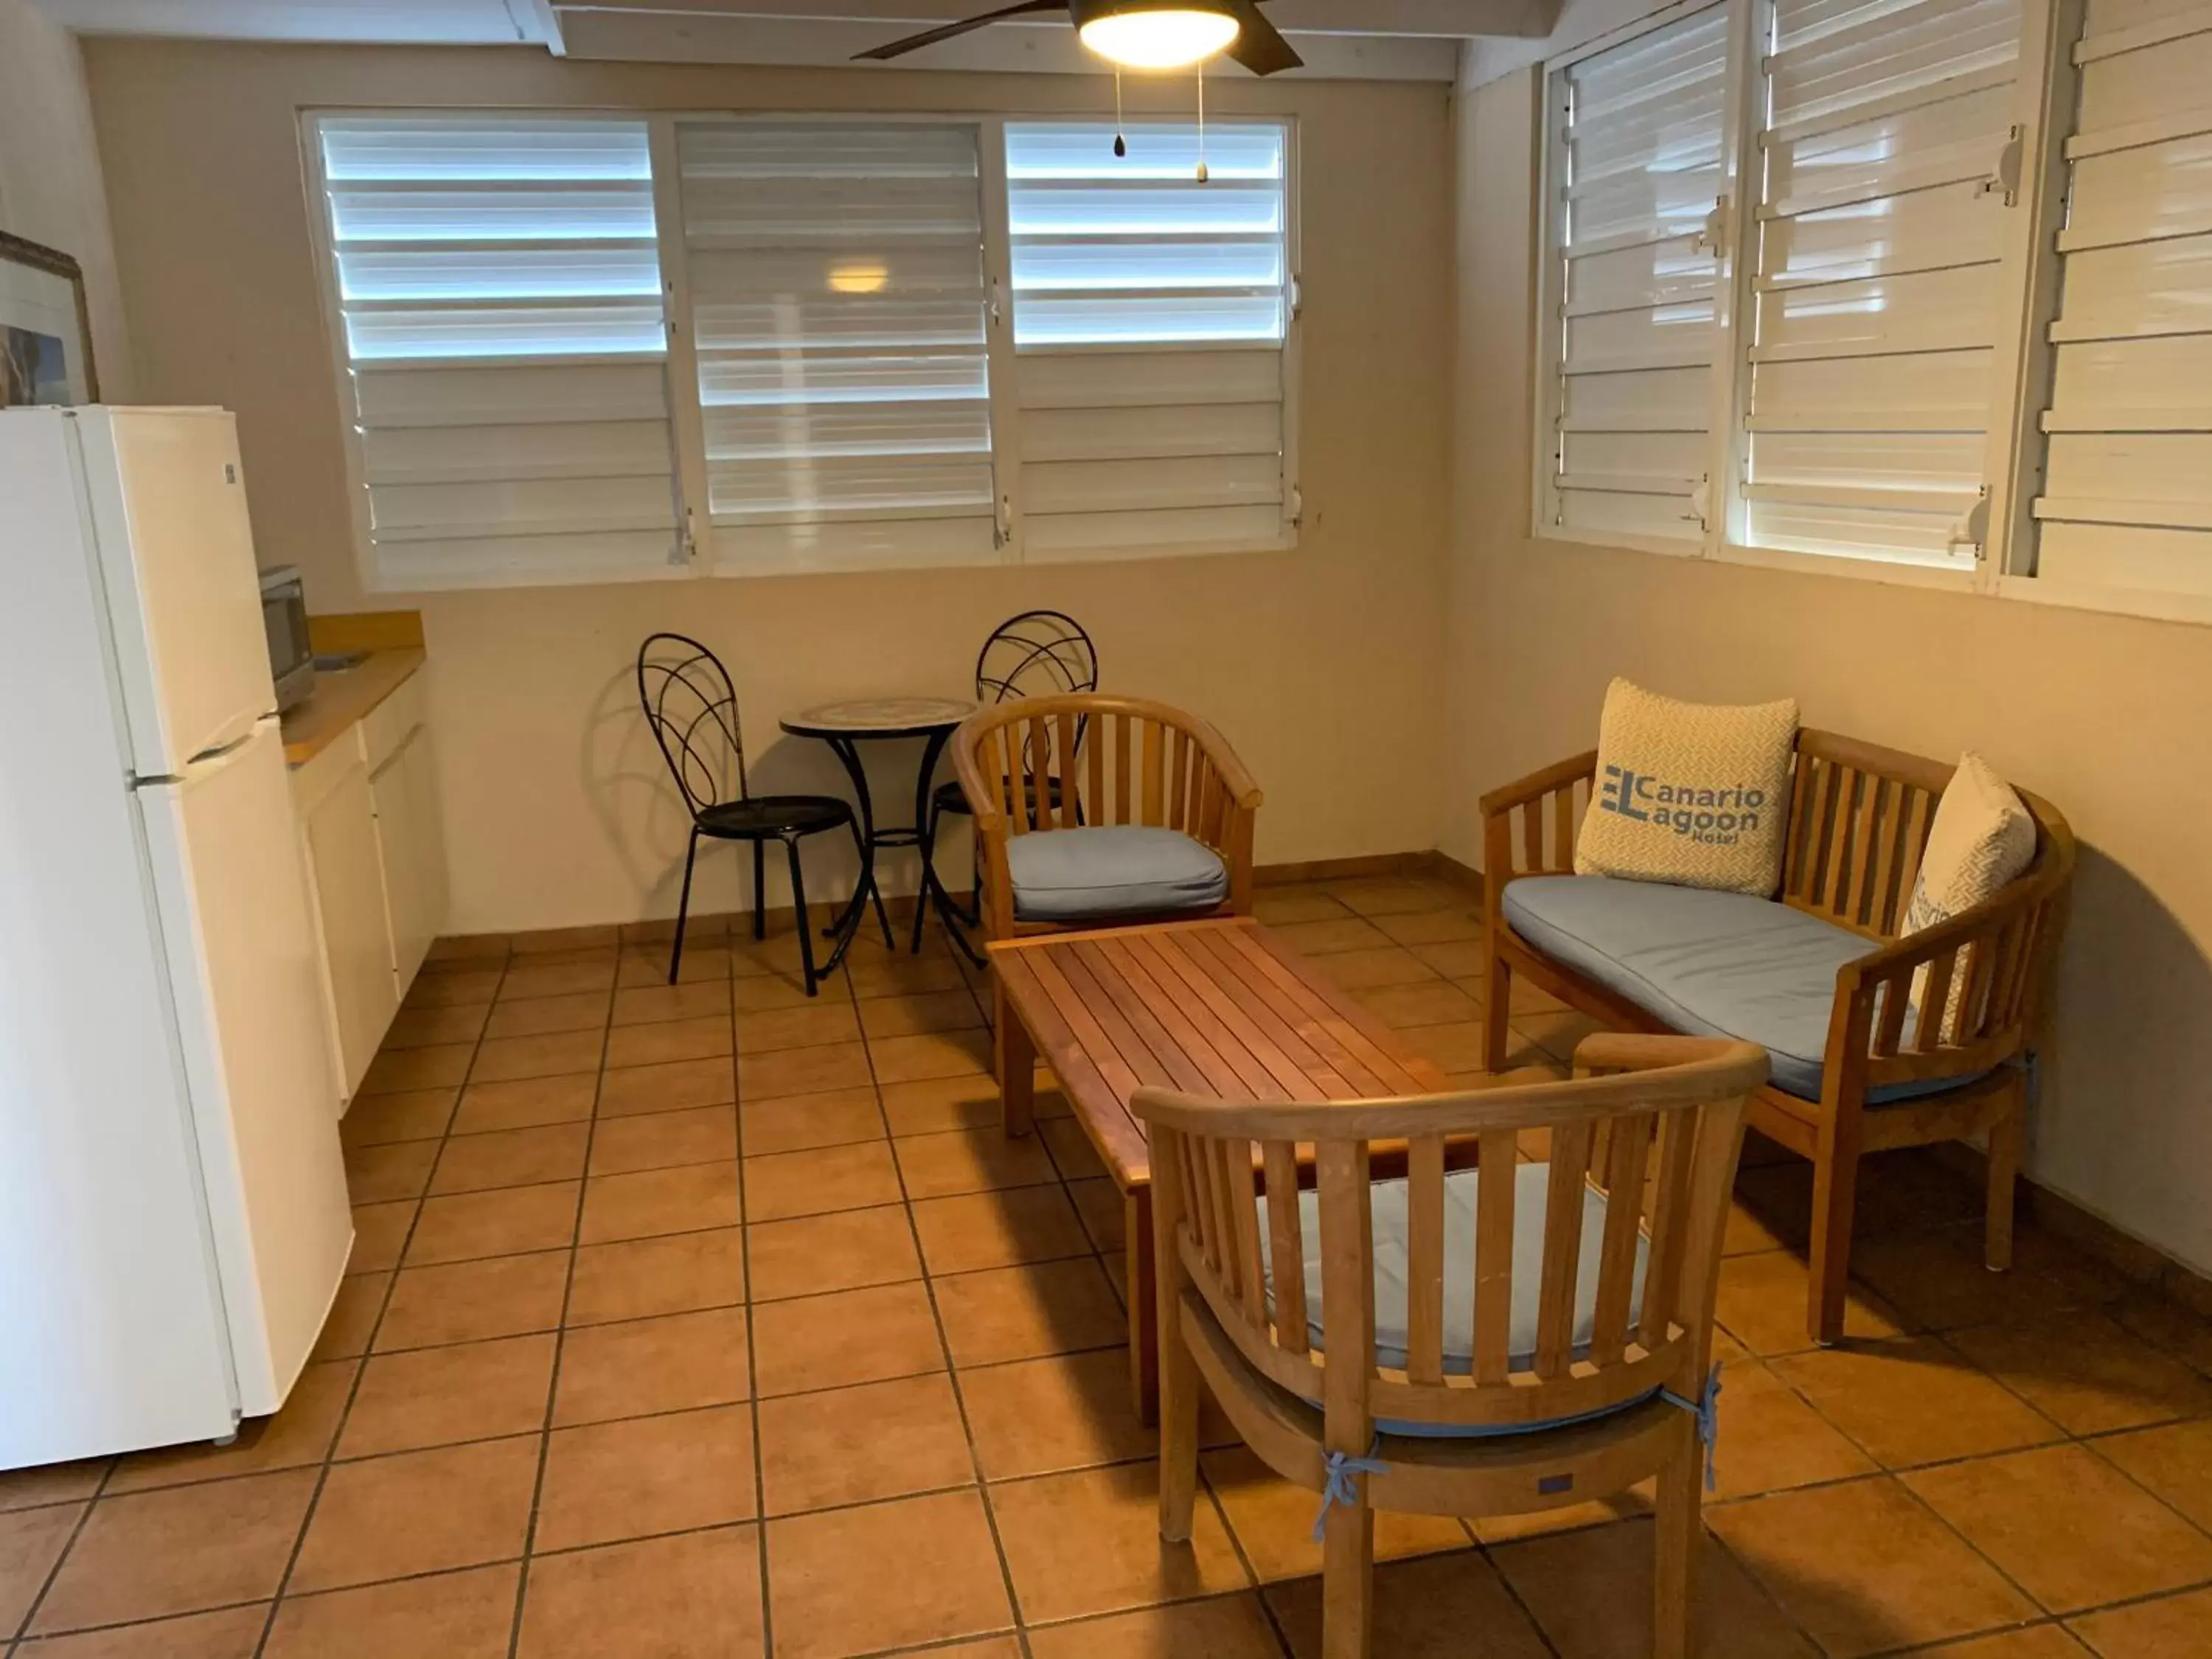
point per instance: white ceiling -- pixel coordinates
(1393, 39)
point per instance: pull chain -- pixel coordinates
(1121, 143)
(1202, 174)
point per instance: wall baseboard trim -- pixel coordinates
(2086, 1230)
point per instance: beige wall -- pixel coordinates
(49, 183)
(1321, 666)
(2105, 715)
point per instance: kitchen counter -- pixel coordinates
(342, 699)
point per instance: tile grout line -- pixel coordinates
(561, 1332)
(61, 1556)
(745, 1284)
(982, 1487)
(360, 1364)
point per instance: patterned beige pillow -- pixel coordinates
(1982, 838)
(1693, 793)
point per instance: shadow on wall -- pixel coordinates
(2132, 986)
(642, 818)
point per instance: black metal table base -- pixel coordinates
(867, 891)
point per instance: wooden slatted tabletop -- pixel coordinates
(1219, 1006)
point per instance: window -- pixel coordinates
(1151, 318)
(2127, 492)
(837, 304)
(499, 304)
(1876, 250)
(1914, 288)
(587, 348)
(1636, 136)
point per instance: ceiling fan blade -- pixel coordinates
(1260, 45)
(951, 31)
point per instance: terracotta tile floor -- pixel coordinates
(704, 1321)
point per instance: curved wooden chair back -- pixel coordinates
(1078, 760)
(1660, 1144)
(1859, 817)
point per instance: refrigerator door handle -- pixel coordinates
(210, 761)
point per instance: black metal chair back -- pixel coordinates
(1039, 653)
(692, 708)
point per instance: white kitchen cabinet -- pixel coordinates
(369, 815)
(338, 820)
(411, 847)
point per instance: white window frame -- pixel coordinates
(694, 557)
(2045, 91)
(1550, 297)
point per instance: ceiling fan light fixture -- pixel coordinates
(1169, 36)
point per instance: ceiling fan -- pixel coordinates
(1142, 35)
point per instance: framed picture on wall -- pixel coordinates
(46, 333)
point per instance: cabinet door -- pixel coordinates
(397, 789)
(341, 831)
(420, 760)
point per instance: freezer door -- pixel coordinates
(183, 598)
(233, 894)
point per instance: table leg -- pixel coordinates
(932, 890)
(1017, 1058)
(846, 927)
(1144, 1315)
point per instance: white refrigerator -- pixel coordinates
(173, 1221)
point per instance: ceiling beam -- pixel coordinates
(1439, 19)
(698, 36)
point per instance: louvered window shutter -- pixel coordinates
(499, 294)
(836, 281)
(2127, 484)
(1888, 162)
(1635, 173)
(1152, 317)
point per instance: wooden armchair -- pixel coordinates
(1859, 817)
(1530, 1378)
(1086, 760)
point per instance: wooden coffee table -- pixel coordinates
(1219, 1006)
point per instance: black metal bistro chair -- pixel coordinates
(692, 708)
(1037, 654)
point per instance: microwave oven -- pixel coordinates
(284, 620)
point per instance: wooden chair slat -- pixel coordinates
(1795, 841)
(1864, 835)
(1155, 772)
(1424, 1258)
(1347, 1287)
(1531, 835)
(1237, 1168)
(1178, 781)
(1120, 770)
(1094, 789)
(1563, 1238)
(1499, 1153)
(1628, 1144)
(1286, 1246)
(1563, 828)
(1070, 800)
(1667, 1227)
(1934, 1004)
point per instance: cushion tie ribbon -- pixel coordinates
(1339, 1487)
(1706, 1409)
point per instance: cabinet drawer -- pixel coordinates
(313, 781)
(386, 726)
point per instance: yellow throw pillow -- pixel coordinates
(1693, 793)
(1982, 837)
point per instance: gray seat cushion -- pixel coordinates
(1707, 963)
(1531, 1197)
(1111, 870)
